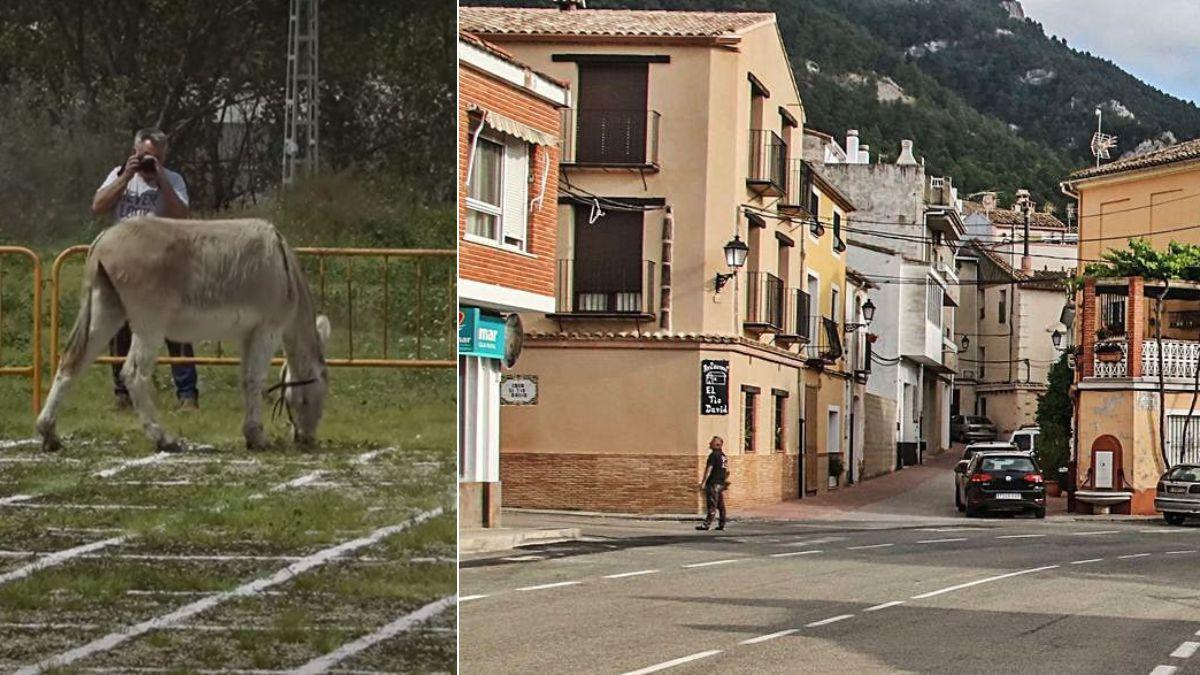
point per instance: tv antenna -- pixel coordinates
(1101, 142)
(302, 115)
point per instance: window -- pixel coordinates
(983, 406)
(837, 230)
(833, 438)
(612, 120)
(749, 409)
(1003, 310)
(979, 301)
(1177, 453)
(982, 365)
(609, 275)
(933, 303)
(834, 313)
(780, 427)
(497, 194)
(814, 207)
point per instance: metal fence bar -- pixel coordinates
(319, 252)
(34, 370)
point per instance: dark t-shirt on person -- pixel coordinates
(719, 462)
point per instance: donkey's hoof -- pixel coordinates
(51, 444)
(171, 446)
(258, 445)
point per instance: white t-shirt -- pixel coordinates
(141, 198)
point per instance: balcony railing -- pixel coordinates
(622, 138)
(1179, 359)
(797, 198)
(768, 162)
(825, 343)
(606, 288)
(764, 304)
(796, 323)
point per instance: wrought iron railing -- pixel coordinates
(611, 137)
(764, 303)
(796, 324)
(606, 287)
(825, 342)
(798, 195)
(768, 161)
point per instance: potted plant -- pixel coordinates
(835, 470)
(1109, 352)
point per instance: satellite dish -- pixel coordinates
(514, 339)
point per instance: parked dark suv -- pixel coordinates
(971, 428)
(1001, 481)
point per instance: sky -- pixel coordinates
(1155, 40)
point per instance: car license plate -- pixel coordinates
(1176, 488)
(1009, 495)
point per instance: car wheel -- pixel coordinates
(1174, 518)
(972, 512)
(1039, 513)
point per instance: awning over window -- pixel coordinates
(506, 125)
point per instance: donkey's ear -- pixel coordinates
(323, 329)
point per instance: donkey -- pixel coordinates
(191, 280)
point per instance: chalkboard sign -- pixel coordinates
(714, 387)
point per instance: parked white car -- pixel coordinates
(1025, 439)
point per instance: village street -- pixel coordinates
(903, 583)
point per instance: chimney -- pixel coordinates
(852, 146)
(906, 157)
(864, 154)
(569, 5)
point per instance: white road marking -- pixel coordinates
(713, 562)
(1190, 550)
(940, 541)
(885, 605)
(789, 554)
(524, 558)
(1084, 562)
(977, 582)
(1164, 670)
(1185, 650)
(472, 597)
(861, 548)
(1198, 632)
(1163, 530)
(559, 584)
(675, 662)
(1020, 536)
(107, 642)
(951, 529)
(1089, 534)
(1133, 555)
(85, 507)
(826, 622)
(814, 542)
(129, 464)
(622, 575)
(768, 636)
(58, 558)
(324, 663)
(18, 498)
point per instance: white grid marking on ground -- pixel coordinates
(324, 663)
(129, 464)
(58, 558)
(189, 610)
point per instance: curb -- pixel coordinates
(606, 514)
(488, 541)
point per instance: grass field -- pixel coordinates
(338, 559)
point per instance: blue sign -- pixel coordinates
(480, 334)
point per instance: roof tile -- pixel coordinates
(606, 22)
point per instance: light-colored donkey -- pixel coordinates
(192, 280)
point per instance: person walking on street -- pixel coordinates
(144, 186)
(716, 481)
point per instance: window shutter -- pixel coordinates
(516, 192)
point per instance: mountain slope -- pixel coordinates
(986, 95)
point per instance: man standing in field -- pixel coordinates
(716, 480)
(144, 186)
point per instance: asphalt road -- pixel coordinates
(938, 593)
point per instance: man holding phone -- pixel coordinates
(143, 186)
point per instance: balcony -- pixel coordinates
(768, 170)
(611, 138)
(797, 198)
(825, 342)
(796, 324)
(764, 302)
(606, 289)
(1117, 331)
(1180, 359)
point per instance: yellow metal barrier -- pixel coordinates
(321, 253)
(34, 369)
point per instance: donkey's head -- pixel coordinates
(305, 381)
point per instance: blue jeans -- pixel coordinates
(184, 375)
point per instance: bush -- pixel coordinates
(1054, 419)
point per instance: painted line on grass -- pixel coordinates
(8, 445)
(1185, 650)
(324, 663)
(17, 498)
(84, 507)
(622, 575)
(826, 622)
(318, 559)
(768, 636)
(977, 582)
(541, 587)
(129, 464)
(59, 558)
(885, 605)
(368, 456)
(675, 662)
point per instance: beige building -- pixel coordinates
(1007, 317)
(685, 134)
(1122, 422)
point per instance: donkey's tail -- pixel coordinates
(73, 355)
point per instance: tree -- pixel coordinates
(1054, 413)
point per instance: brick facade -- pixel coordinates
(534, 272)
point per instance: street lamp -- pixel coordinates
(868, 313)
(1056, 337)
(966, 342)
(735, 257)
